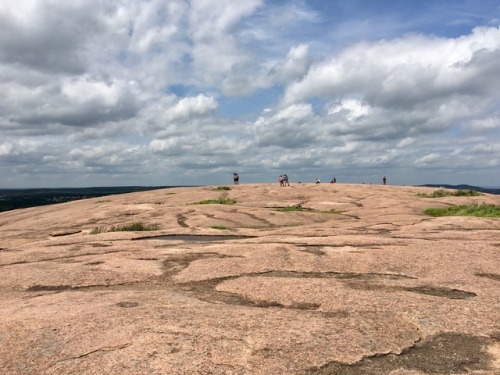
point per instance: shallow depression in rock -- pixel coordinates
(193, 238)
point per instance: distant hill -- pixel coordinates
(12, 199)
(466, 187)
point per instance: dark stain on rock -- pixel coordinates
(492, 276)
(445, 353)
(427, 290)
(305, 306)
(313, 249)
(334, 275)
(49, 288)
(99, 244)
(181, 220)
(127, 304)
(175, 263)
(192, 238)
(206, 290)
(441, 292)
(66, 232)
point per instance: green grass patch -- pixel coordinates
(222, 188)
(134, 227)
(221, 227)
(478, 210)
(217, 201)
(451, 193)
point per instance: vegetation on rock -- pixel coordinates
(479, 210)
(451, 193)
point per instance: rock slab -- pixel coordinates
(306, 279)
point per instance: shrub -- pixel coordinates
(478, 210)
(219, 188)
(447, 193)
(221, 227)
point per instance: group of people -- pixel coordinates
(283, 180)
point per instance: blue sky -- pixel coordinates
(129, 92)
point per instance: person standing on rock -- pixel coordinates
(236, 178)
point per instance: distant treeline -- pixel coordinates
(11, 199)
(466, 187)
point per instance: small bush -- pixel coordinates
(221, 227)
(223, 188)
(478, 210)
(451, 193)
(217, 201)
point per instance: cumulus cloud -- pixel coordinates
(75, 102)
(191, 107)
(291, 127)
(49, 35)
(405, 71)
(244, 79)
(196, 88)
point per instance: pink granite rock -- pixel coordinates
(360, 281)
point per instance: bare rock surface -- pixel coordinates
(359, 282)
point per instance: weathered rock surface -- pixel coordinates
(373, 287)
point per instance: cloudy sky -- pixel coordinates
(186, 92)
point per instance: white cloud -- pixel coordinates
(291, 127)
(194, 88)
(404, 71)
(190, 107)
(247, 78)
(428, 159)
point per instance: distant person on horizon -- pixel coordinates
(285, 180)
(281, 179)
(318, 181)
(384, 180)
(334, 180)
(236, 178)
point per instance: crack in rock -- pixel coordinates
(103, 349)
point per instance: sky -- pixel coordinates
(186, 92)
